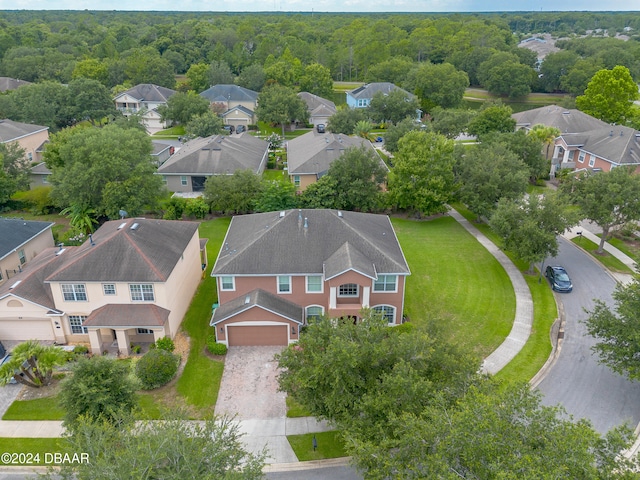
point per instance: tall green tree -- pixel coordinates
(219, 73)
(316, 79)
(14, 174)
(528, 148)
(280, 105)
(450, 122)
(488, 173)
(198, 78)
(422, 179)
(395, 132)
(182, 107)
(530, 227)
(32, 364)
(609, 95)
(233, 194)
(437, 85)
(173, 449)
(492, 118)
(106, 169)
(204, 125)
(345, 120)
(276, 195)
(616, 330)
(392, 107)
(88, 99)
(609, 199)
(252, 77)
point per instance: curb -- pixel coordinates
(557, 338)
(292, 467)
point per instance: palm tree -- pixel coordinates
(547, 135)
(81, 217)
(363, 129)
(32, 364)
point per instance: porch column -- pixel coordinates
(333, 297)
(365, 296)
(565, 157)
(95, 339)
(123, 342)
(158, 334)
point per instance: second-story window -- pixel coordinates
(141, 292)
(74, 292)
(284, 284)
(348, 290)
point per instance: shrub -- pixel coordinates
(165, 343)
(37, 200)
(214, 347)
(406, 327)
(80, 349)
(197, 208)
(174, 208)
(156, 368)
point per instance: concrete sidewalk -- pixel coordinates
(523, 320)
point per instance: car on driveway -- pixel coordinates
(320, 128)
(558, 278)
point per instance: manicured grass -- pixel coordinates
(455, 285)
(537, 189)
(45, 448)
(606, 259)
(628, 249)
(330, 445)
(279, 175)
(151, 409)
(200, 380)
(294, 409)
(38, 409)
(538, 348)
(170, 132)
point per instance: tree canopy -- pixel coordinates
(280, 105)
(182, 107)
(609, 95)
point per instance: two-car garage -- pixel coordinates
(251, 335)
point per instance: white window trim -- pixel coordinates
(83, 318)
(153, 292)
(306, 311)
(283, 292)
(104, 291)
(296, 180)
(22, 257)
(75, 294)
(395, 310)
(306, 284)
(357, 294)
(233, 283)
(581, 157)
(592, 161)
(184, 181)
(395, 290)
(145, 331)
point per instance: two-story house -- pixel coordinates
(20, 241)
(144, 99)
(361, 97)
(201, 158)
(30, 138)
(235, 104)
(132, 281)
(309, 156)
(278, 271)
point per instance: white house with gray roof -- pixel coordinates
(198, 159)
(144, 99)
(320, 109)
(278, 271)
(361, 97)
(131, 282)
(235, 104)
(20, 241)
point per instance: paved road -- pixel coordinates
(577, 381)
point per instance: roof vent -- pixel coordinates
(566, 113)
(121, 226)
(91, 239)
(15, 284)
(135, 226)
(247, 299)
(282, 214)
(339, 213)
(306, 222)
(60, 252)
(621, 133)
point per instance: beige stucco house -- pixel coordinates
(144, 99)
(31, 138)
(309, 156)
(20, 241)
(237, 105)
(132, 281)
(278, 271)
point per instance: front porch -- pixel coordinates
(119, 342)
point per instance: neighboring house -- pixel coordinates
(7, 83)
(200, 158)
(279, 271)
(601, 150)
(236, 104)
(320, 109)
(31, 138)
(132, 281)
(361, 97)
(144, 99)
(310, 155)
(40, 173)
(565, 120)
(20, 241)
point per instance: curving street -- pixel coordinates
(577, 381)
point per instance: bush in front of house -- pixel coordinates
(165, 343)
(214, 347)
(156, 368)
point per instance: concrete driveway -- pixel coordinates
(249, 387)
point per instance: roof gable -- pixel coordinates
(226, 92)
(15, 232)
(370, 89)
(218, 155)
(11, 131)
(565, 120)
(148, 92)
(258, 299)
(345, 258)
(302, 241)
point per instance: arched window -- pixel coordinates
(313, 313)
(387, 311)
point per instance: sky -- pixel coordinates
(359, 6)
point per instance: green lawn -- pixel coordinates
(279, 175)
(38, 409)
(294, 409)
(606, 259)
(171, 133)
(330, 445)
(200, 380)
(632, 251)
(455, 284)
(538, 348)
(42, 449)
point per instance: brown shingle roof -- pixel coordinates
(259, 299)
(127, 315)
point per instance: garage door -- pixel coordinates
(26, 330)
(240, 336)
